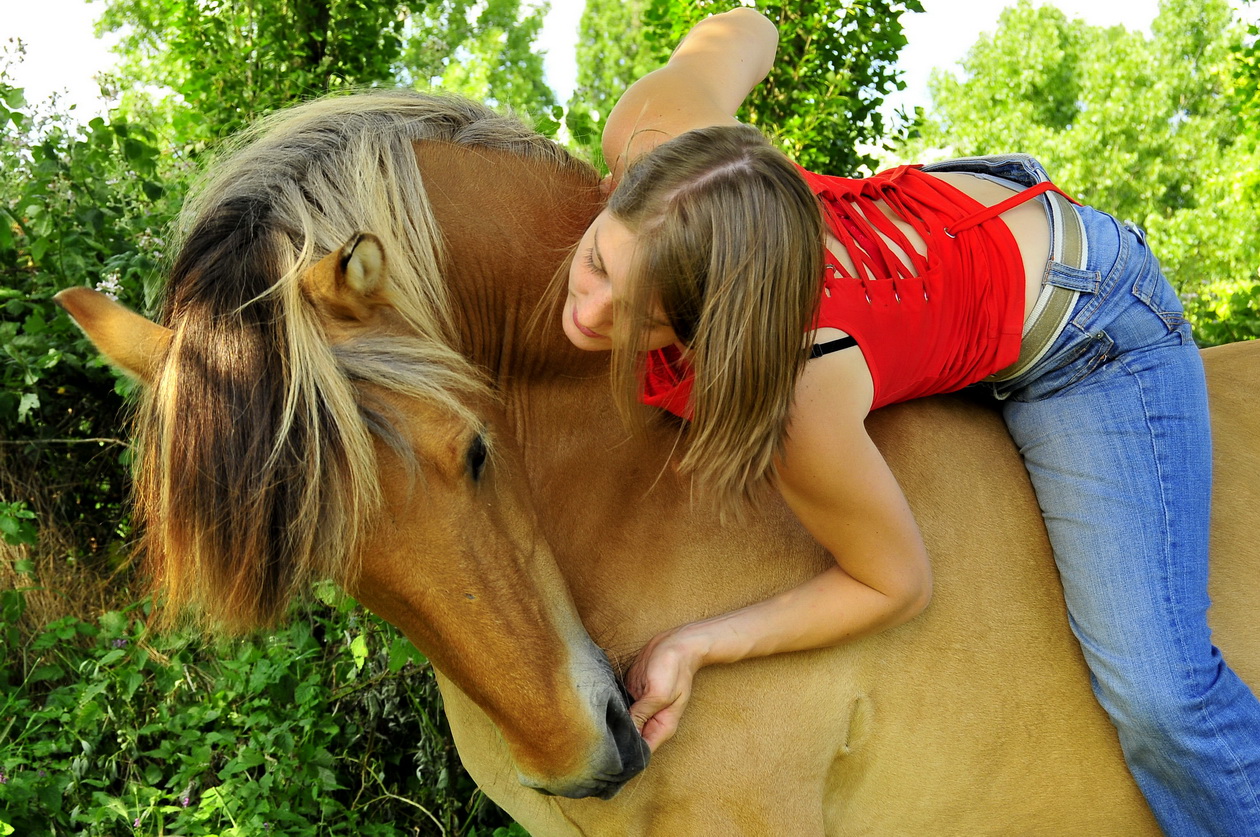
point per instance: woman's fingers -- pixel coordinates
(657, 716)
(660, 727)
(660, 681)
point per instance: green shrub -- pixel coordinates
(79, 205)
(330, 726)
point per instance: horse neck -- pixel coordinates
(623, 525)
(508, 224)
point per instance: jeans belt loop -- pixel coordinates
(1054, 304)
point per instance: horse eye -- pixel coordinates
(476, 457)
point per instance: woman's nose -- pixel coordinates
(594, 307)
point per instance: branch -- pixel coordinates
(120, 442)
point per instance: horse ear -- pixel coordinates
(129, 342)
(350, 283)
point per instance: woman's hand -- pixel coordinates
(660, 683)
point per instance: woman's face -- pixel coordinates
(597, 288)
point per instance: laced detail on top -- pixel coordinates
(926, 323)
(857, 220)
(872, 257)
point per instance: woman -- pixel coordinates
(774, 308)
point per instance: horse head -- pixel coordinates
(305, 416)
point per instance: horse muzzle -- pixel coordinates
(619, 754)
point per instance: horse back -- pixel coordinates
(1233, 375)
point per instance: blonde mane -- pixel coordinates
(258, 469)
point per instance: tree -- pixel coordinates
(483, 49)
(613, 51)
(228, 61)
(835, 64)
(235, 59)
(1246, 88)
(1141, 127)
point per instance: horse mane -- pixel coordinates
(258, 471)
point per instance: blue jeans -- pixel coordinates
(1113, 426)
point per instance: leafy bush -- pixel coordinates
(328, 727)
(80, 205)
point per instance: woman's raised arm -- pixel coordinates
(710, 73)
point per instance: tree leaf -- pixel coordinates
(29, 403)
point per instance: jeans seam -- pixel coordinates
(1237, 770)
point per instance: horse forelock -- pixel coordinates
(258, 468)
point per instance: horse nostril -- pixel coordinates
(631, 748)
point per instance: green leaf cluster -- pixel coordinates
(1150, 128)
(228, 61)
(328, 727)
(207, 68)
(483, 49)
(821, 102)
(80, 205)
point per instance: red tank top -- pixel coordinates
(948, 319)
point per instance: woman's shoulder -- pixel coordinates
(835, 385)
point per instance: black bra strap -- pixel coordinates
(820, 349)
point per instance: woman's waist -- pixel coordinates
(1028, 223)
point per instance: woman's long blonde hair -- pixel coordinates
(729, 246)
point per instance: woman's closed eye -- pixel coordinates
(589, 260)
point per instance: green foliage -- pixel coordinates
(835, 64)
(16, 524)
(613, 51)
(1246, 90)
(229, 61)
(328, 727)
(1148, 129)
(483, 49)
(80, 205)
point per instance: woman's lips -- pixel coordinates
(595, 335)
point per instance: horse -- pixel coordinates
(352, 379)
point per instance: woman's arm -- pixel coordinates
(710, 73)
(840, 488)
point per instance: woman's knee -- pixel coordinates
(1162, 706)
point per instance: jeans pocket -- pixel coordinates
(1151, 288)
(1075, 355)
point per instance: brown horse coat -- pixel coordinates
(976, 718)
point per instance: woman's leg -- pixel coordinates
(1121, 465)
(1113, 427)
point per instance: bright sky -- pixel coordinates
(63, 54)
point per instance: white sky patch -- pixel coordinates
(63, 55)
(559, 38)
(62, 51)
